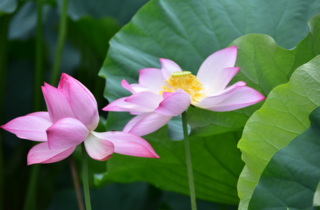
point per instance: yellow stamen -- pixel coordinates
(186, 81)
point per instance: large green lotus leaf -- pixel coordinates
(291, 177)
(188, 31)
(283, 116)
(216, 166)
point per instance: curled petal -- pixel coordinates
(168, 67)
(42, 154)
(82, 102)
(57, 103)
(128, 144)
(65, 133)
(126, 86)
(174, 103)
(211, 101)
(211, 68)
(32, 126)
(146, 123)
(98, 149)
(242, 97)
(150, 101)
(151, 78)
(121, 105)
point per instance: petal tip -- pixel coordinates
(234, 47)
(105, 108)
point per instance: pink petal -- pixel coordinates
(242, 97)
(66, 133)
(150, 101)
(225, 77)
(146, 123)
(126, 85)
(121, 105)
(82, 102)
(168, 67)
(32, 126)
(135, 88)
(42, 154)
(174, 103)
(210, 70)
(98, 149)
(57, 103)
(128, 144)
(151, 78)
(211, 101)
(140, 88)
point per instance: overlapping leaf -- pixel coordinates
(283, 116)
(291, 177)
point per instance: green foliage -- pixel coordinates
(122, 10)
(93, 33)
(283, 116)
(187, 32)
(133, 196)
(216, 166)
(291, 177)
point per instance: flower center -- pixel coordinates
(186, 81)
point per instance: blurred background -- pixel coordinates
(39, 40)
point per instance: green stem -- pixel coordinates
(76, 184)
(85, 177)
(4, 20)
(30, 202)
(189, 163)
(60, 43)
(38, 67)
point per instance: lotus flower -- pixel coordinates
(71, 119)
(166, 92)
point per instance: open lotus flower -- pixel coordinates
(166, 92)
(71, 119)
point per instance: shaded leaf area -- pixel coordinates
(7, 6)
(133, 196)
(187, 32)
(215, 159)
(291, 177)
(90, 37)
(283, 116)
(175, 128)
(122, 10)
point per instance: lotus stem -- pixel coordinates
(38, 74)
(85, 178)
(61, 39)
(75, 180)
(188, 160)
(32, 186)
(4, 20)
